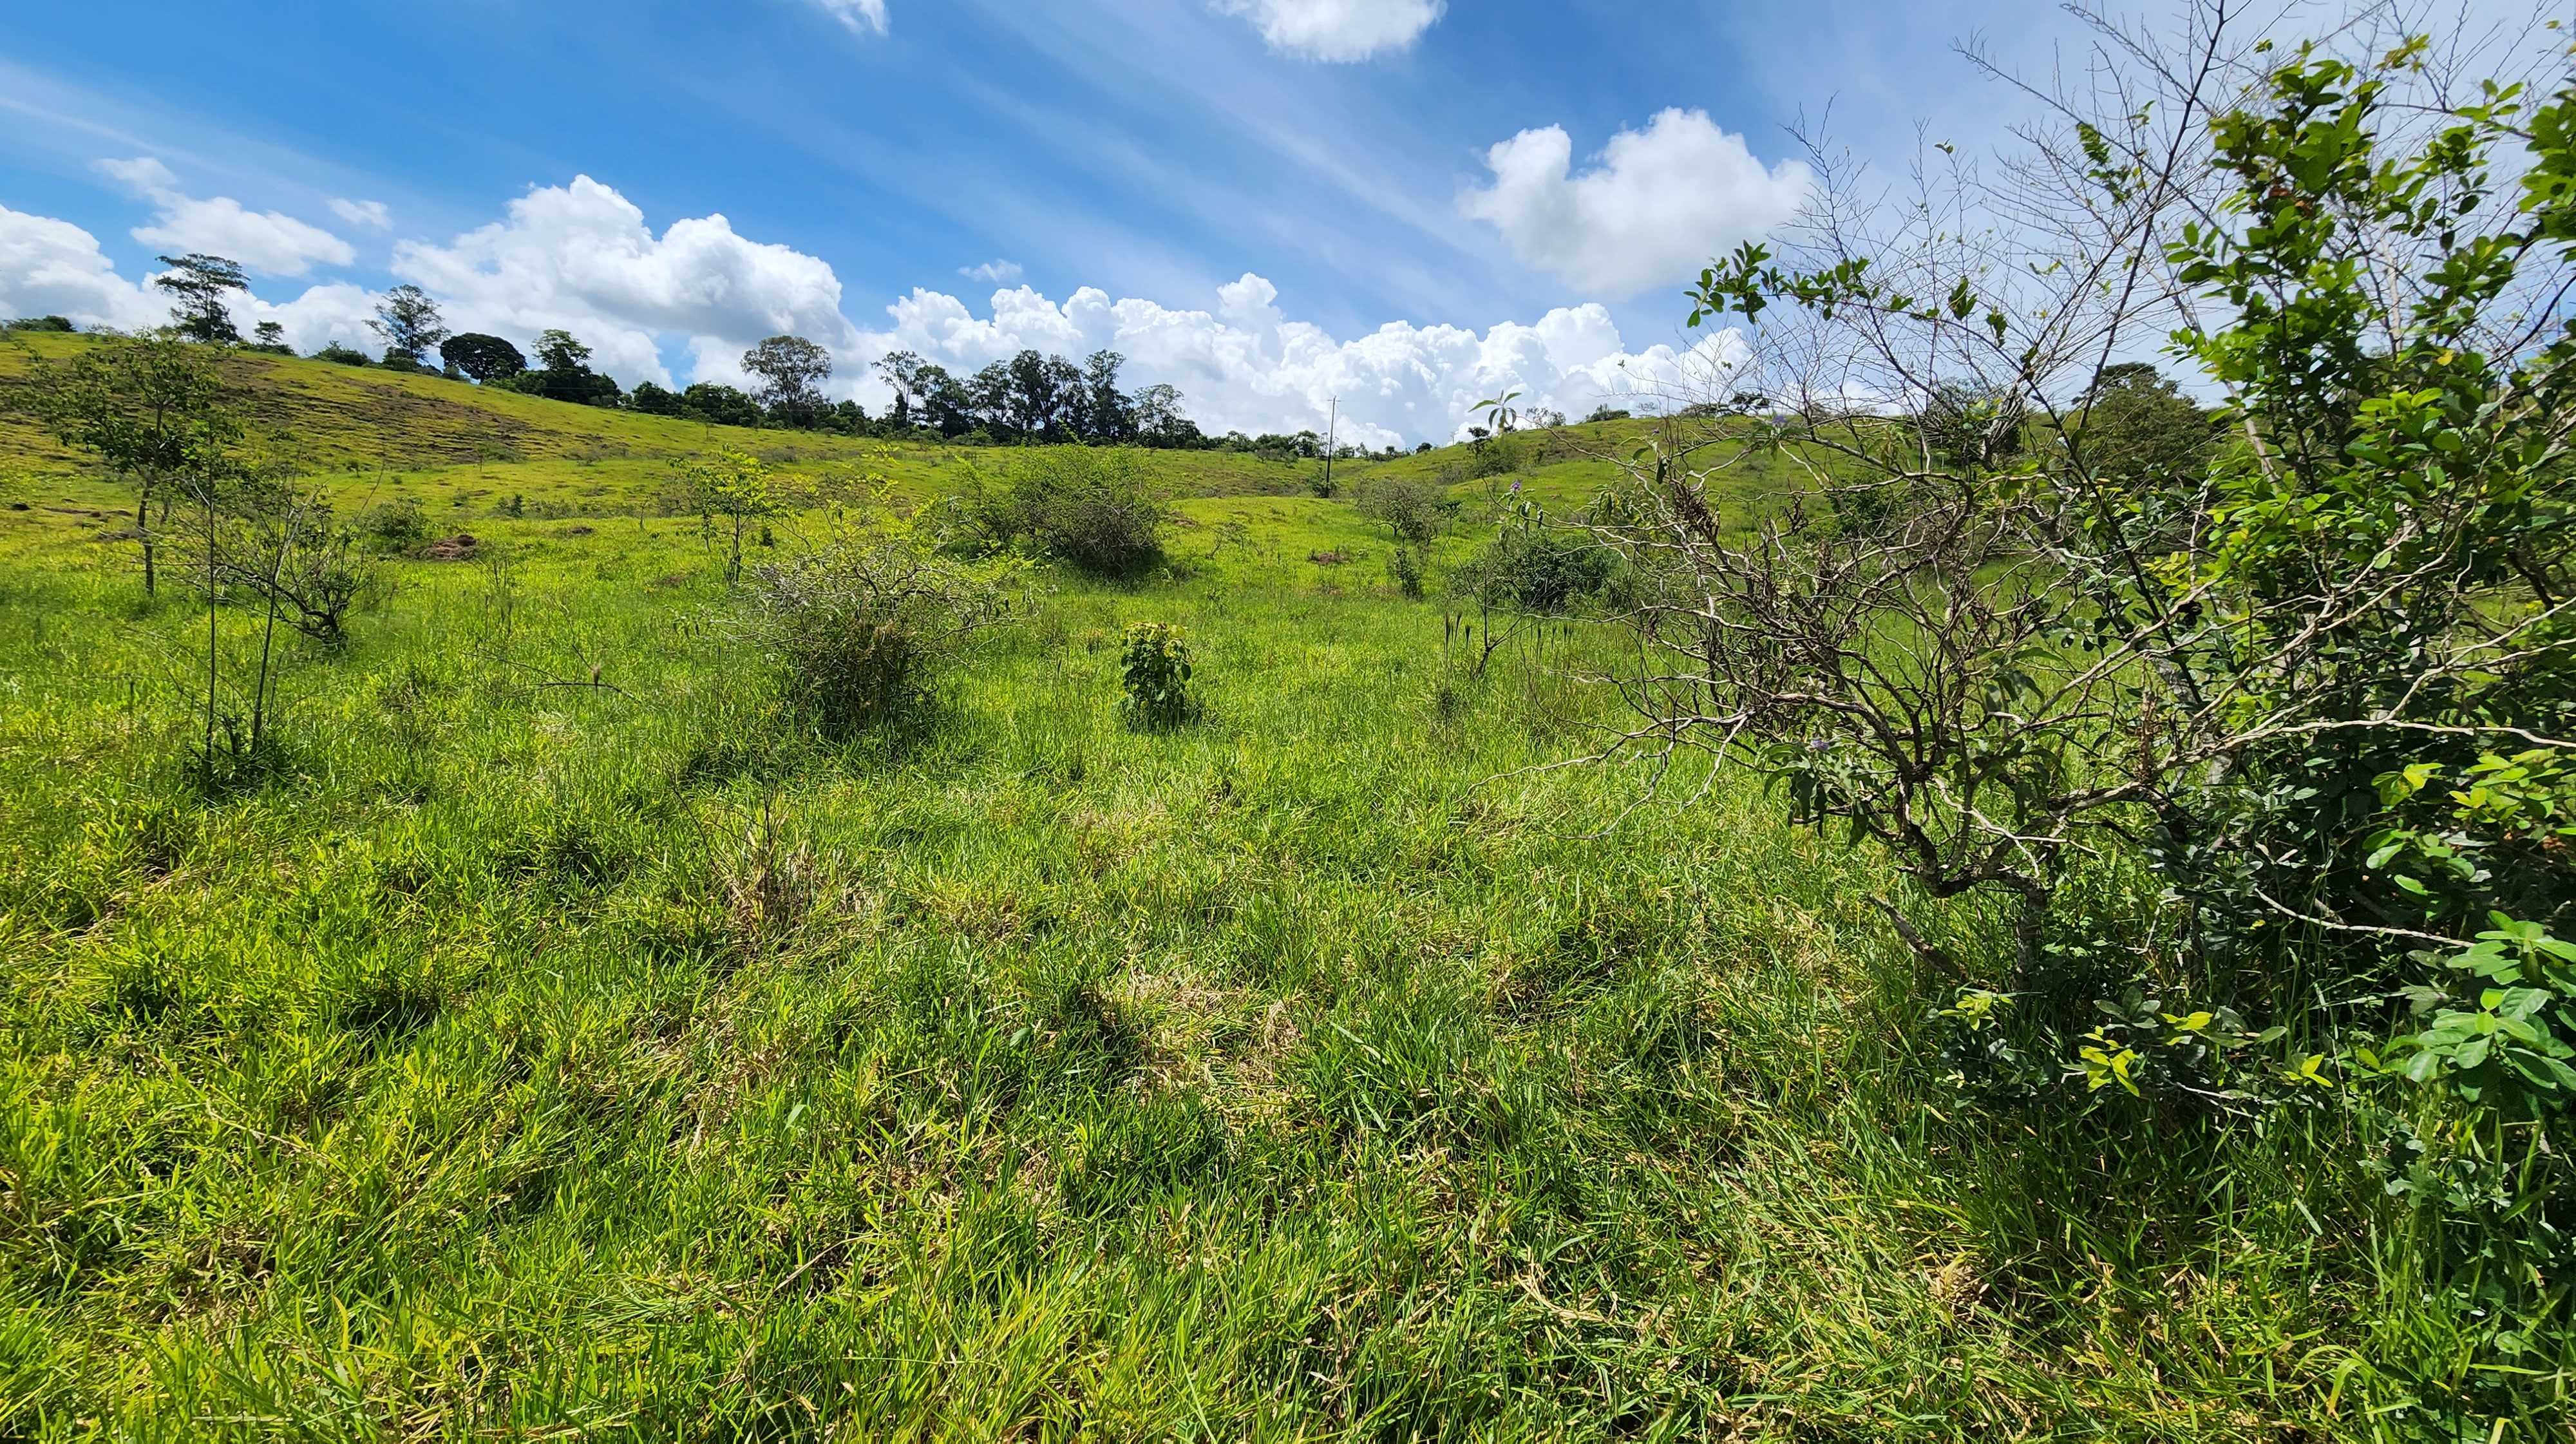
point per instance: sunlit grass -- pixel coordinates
(557, 1053)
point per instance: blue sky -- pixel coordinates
(1267, 202)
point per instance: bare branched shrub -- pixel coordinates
(280, 542)
(1987, 634)
(2268, 739)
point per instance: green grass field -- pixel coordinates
(539, 1059)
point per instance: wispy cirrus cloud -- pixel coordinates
(863, 17)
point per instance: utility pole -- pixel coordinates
(1332, 430)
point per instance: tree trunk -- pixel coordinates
(213, 640)
(143, 533)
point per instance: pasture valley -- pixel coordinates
(1983, 850)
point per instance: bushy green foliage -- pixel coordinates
(562, 373)
(1155, 670)
(731, 492)
(408, 322)
(481, 357)
(1495, 455)
(394, 526)
(1533, 566)
(1096, 508)
(339, 355)
(792, 371)
(153, 411)
(2136, 427)
(654, 400)
(719, 404)
(862, 628)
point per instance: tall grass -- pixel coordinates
(616, 1061)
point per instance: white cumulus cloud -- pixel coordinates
(582, 258)
(1337, 30)
(54, 268)
(337, 312)
(1655, 208)
(374, 215)
(694, 296)
(997, 273)
(862, 16)
(266, 242)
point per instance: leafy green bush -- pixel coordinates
(339, 355)
(1155, 669)
(1092, 507)
(1497, 455)
(719, 405)
(860, 628)
(1532, 566)
(394, 526)
(579, 385)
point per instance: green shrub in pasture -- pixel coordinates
(2311, 692)
(860, 628)
(1093, 507)
(1533, 566)
(1155, 670)
(394, 526)
(730, 494)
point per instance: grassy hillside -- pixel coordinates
(450, 441)
(563, 1045)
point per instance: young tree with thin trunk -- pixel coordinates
(153, 410)
(731, 493)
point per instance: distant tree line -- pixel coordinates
(1030, 398)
